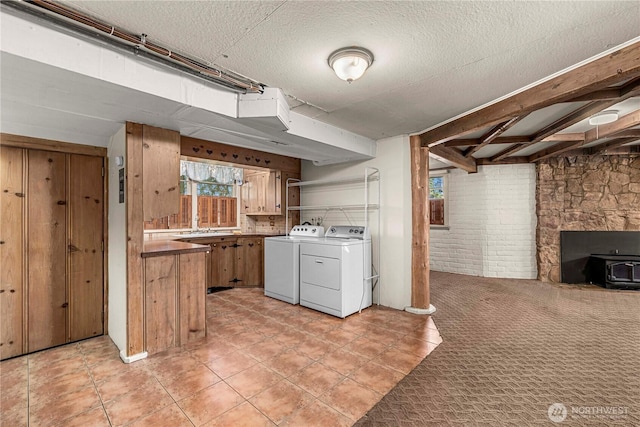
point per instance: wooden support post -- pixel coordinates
(420, 303)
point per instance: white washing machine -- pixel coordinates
(282, 262)
(335, 272)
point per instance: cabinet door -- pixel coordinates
(274, 193)
(249, 263)
(11, 252)
(86, 207)
(192, 297)
(160, 303)
(160, 172)
(47, 249)
(223, 261)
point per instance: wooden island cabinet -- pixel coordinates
(174, 294)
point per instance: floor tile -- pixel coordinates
(243, 415)
(317, 414)
(215, 349)
(14, 416)
(136, 404)
(231, 364)
(377, 377)
(316, 379)
(264, 350)
(290, 337)
(103, 370)
(342, 361)
(366, 347)
(339, 337)
(209, 403)
(191, 382)
(399, 360)
(118, 385)
(253, 380)
(415, 346)
(173, 367)
(351, 399)
(95, 417)
(170, 416)
(245, 339)
(288, 362)
(314, 348)
(47, 391)
(41, 372)
(281, 400)
(69, 405)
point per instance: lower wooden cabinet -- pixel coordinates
(174, 300)
(234, 261)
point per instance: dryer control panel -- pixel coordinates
(348, 232)
(307, 231)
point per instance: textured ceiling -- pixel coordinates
(433, 60)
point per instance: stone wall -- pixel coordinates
(582, 193)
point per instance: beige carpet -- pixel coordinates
(512, 348)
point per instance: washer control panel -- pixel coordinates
(307, 231)
(348, 232)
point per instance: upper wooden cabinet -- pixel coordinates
(160, 172)
(262, 193)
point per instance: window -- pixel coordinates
(208, 197)
(437, 197)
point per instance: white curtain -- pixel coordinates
(200, 172)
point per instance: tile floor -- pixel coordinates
(263, 363)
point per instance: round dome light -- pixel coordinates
(350, 63)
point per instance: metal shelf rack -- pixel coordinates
(371, 175)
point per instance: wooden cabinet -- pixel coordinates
(160, 172)
(52, 287)
(234, 261)
(262, 193)
(174, 300)
(249, 261)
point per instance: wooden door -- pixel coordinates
(249, 262)
(160, 303)
(46, 249)
(223, 260)
(160, 172)
(86, 207)
(12, 282)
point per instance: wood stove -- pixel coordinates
(615, 271)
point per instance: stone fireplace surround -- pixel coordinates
(583, 193)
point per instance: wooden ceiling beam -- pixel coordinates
(508, 161)
(622, 124)
(630, 88)
(477, 141)
(619, 66)
(576, 136)
(562, 123)
(494, 133)
(454, 157)
(609, 145)
(557, 149)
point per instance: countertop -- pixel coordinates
(170, 247)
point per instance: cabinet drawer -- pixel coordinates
(320, 271)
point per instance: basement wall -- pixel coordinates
(117, 256)
(491, 223)
(582, 193)
(394, 259)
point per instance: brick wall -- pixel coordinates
(581, 193)
(492, 224)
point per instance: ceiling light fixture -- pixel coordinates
(350, 63)
(603, 117)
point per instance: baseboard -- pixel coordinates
(423, 311)
(134, 358)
